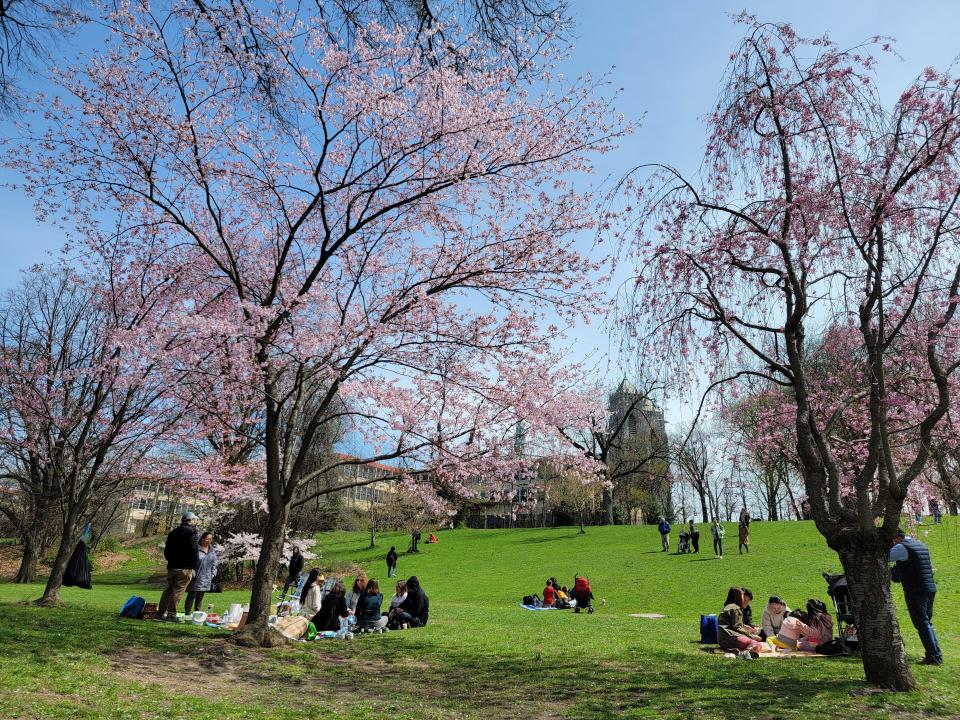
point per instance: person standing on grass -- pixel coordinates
(293, 573)
(181, 551)
(915, 572)
(717, 531)
(392, 562)
(744, 540)
(203, 575)
(695, 537)
(664, 529)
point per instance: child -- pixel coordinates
(563, 597)
(773, 616)
(549, 594)
(792, 630)
(582, 594)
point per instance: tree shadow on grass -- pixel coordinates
(549, 539)
(410, 672)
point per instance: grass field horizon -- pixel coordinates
(481, 654)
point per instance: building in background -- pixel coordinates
(637, 460)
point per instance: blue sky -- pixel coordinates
(668, 57)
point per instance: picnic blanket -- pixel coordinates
(534, 607)
(777, 655)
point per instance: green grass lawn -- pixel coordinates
(481, 655)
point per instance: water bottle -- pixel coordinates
(210, 609)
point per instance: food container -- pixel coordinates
(198, 617)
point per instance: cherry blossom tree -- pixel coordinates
(822, 218)
(377, 235)
(82, 409)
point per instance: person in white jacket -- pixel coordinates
(773, 615)
(312, 594)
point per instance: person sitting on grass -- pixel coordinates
(583, 594)
(549, 595)
(820, 624)
(414, 611)
(399, 596)
(793, 630)
(733, 634)
(359, 585)
(333, 609)
(748, 611)
(312, 593)
(773, 616)
(368, 608)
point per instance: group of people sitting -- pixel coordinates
(780, 627)
(362, 608)
(558, 596)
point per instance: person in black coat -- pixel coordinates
(332, 608)
(182, 553)
(415, 610)
(392, 562)
(293, 574)
(368, 612)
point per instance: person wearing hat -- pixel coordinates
(914, 571)
(182, 554)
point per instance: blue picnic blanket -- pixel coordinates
(534, 607)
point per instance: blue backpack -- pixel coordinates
(133, 608)
(709, 629)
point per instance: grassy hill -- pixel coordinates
(481, 655)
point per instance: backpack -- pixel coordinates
(133, 608)
(837, 646)
(531, 600)
(709, 631)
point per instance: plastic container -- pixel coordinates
(198, 617)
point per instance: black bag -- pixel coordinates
(532, 600)
(837, 646)
(77, 573)
(216, 587)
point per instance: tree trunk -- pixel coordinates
(30, 559)
(881, 645)
(608, 506)
(701, 491)
(264, 576)
(373, 535)
(772, 488)
(68, 541)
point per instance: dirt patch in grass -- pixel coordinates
(109, 561)
(252, 674)
(169, 669)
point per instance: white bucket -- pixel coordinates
(198, 617)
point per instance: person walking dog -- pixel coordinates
(914, 571)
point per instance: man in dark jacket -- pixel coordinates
(915, 572)
(182, 555)
(415, 610)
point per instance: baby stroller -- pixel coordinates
(684, 546)
(843, 604)
(583, 595)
